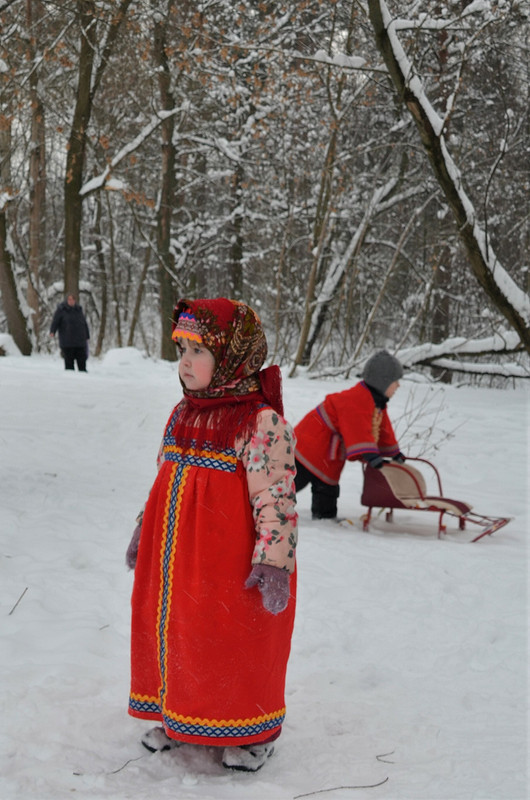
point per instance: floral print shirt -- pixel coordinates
(268, 458)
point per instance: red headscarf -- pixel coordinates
(227, 408)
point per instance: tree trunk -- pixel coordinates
(167, 191)
(76, 148)
(75, 156)
(236, 237)
(37, 174)
(103, 282)
(139, 294)
(113, 277)
(16, 322)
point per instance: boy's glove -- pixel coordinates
(132, 550)
(375, 460)
(273, 584)
(400, 458)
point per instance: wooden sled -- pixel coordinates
(403, 486)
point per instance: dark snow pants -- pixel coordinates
(323, 496)
(75, 354)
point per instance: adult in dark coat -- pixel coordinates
(69, 321)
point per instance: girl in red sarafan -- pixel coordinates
(213, 600)
(347, 426)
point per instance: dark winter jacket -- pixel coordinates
(70, 323)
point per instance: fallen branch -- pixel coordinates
(498, 370)
(115, 771)
(337, 788)
(18, 601)
(383, 756)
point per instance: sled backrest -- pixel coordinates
(405, 481)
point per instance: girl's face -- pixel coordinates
(394, 386)
(196, 366)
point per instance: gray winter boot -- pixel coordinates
(248, 757)
(157, 740)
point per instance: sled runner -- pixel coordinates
(403, 486)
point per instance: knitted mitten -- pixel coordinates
(273, 584)
(132, 550)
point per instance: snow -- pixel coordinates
(409, 657)
(340, 60)
(8, 346)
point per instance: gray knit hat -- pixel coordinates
(381, 370)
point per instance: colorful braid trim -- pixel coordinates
(224, 460)
(167, 555)
(211, 728)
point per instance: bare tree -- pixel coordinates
(90, 73)
(511, 301)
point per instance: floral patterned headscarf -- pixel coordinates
(233, 333)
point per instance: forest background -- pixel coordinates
(359, 172)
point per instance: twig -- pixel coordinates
(337, 788)
(18, 601)
(114, 771)
(383, 756)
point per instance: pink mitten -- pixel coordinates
(132, 550)
(273, 584)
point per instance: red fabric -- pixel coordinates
(351, 415)
(271, 387)
(216, 422)
(207, 660)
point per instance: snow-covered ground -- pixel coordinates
(409, 666)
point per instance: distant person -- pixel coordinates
(72, 327)
(350, 425)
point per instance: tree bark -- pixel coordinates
(75, 156)
(37, 173)
(103, 281)
(16, 322)
(167, 189)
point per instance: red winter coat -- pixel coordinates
(346, 426)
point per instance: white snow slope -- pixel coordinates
(408, 678)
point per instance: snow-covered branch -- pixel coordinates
(104, 178)
(449, 354)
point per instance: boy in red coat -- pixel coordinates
(351, 425)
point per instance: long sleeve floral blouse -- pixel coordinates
(268, 458)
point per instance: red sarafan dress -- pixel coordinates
(208, 661)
